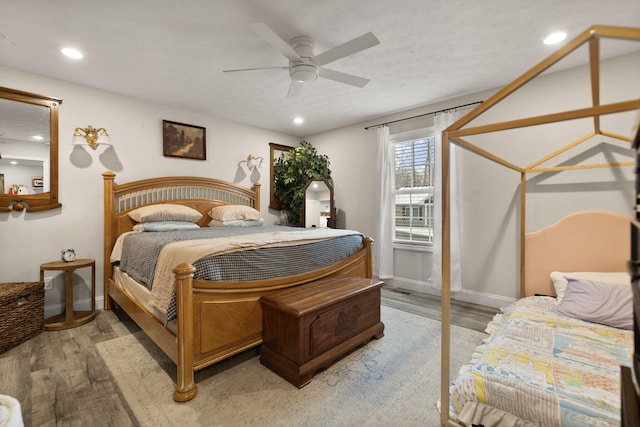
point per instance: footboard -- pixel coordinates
(217, 320)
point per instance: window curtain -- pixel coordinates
(385, 207)
(441, 122)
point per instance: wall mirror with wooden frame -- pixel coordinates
(318, 210)
(276, 151)
(28, 151)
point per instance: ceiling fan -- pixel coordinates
(304, 66)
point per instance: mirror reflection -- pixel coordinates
(319, 211)
(276, 151)
(24, 147)
(28, 151)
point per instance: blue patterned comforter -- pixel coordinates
(140, 252)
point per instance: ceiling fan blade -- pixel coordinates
(345, 49)
(275, 40)
(294, 89)
(255, 69)
(348, 79)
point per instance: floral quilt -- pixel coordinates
(547, 368)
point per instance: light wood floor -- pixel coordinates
(464, 314)
(60, 379)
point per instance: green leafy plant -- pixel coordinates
(291, 172)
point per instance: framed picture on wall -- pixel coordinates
(182, 140)
(1, 183)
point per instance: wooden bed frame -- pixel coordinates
(216, 319)
(458, 133)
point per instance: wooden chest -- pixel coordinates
(308, 327)
(21, 313)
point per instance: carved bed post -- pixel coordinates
(107, 241)
(368, 242)
(185, 388)
(256, 189)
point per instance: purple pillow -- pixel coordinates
(605, 303)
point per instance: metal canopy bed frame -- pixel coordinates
(459, 130)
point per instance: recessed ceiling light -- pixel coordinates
(38, 137)
(298, 120)
(555, 38)
(72, 53)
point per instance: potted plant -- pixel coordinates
(292, 170)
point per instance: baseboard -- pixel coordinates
(81, 305)
(412, 285)
(489, 300)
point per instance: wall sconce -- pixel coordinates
(91, 136)
(253, 162)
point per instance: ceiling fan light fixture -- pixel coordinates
(304, 73)
(304, 65)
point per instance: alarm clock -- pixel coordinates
(68, 255)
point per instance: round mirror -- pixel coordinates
(28, 151)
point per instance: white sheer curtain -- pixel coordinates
(441, 122)
(385, 207)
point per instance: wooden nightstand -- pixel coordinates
(71, 318)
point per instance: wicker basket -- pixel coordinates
(21, 313)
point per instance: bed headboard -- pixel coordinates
(199, 193)
(582, 241)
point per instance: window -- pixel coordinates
(414, 163)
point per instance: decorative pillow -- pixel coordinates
(165, 226)
(560, 282)
(165, 212)
(231, 212)
(237, 223)
(598, 302)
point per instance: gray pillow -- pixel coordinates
(605, 303)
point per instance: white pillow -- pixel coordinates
(237, 223)
(560, 282)
(605, 303)
(165, 226)
(165, 212)
(231, 212)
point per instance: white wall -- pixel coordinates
(20, 175)
(30, 239)
(490, 192)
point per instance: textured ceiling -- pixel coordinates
(174, 52)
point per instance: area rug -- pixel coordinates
(391, 381)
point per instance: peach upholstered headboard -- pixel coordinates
(582, 241)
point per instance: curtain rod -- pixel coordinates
(423, 115)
